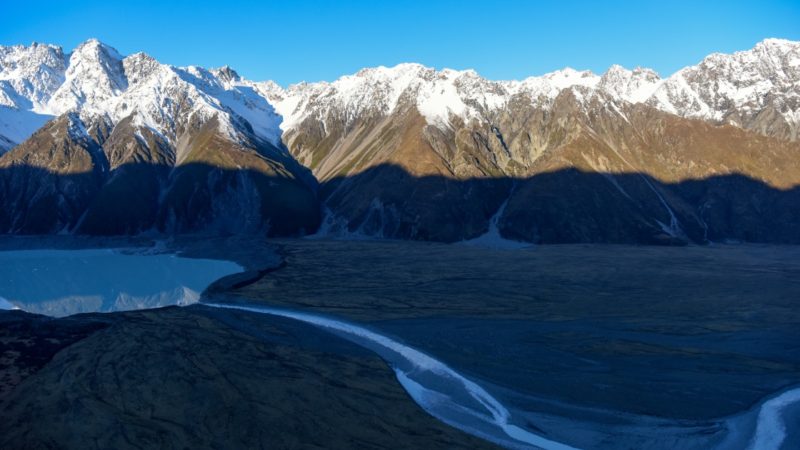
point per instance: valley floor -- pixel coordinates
(687, 335)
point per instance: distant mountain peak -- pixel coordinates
(94, 74)
(226, 73)
(94, 50)
(778, 44)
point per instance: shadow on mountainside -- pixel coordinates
(565, 206)
(141, 197)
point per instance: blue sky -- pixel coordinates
(292, 41)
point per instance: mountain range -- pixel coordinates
(96, 142)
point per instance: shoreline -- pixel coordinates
(279, 258)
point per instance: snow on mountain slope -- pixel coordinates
(245, 100)
(16, 125)
(93, 76)
(40, 82)
(744, 83)
(28, 77)
(437, 95)
(736, 88)
(370, 91)
(167, 100)
(633, 86)
(552, 83)
(757, 89)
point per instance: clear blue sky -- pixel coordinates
(291, 41)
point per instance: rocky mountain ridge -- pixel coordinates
(95, 79)
(402, 152)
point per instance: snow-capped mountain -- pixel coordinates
(131, 141)
(94, 75)
(406, 151)
(756, 89)
(40, 81)
(722, 88)
(28, 77)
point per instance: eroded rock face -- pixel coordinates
(586, 168)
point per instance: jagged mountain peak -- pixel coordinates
(568, 77)
(94, 74)
(778, 42)
(617, 70)
(543, 89)
(95, 79)
(390, 71)
(30, 74)
(138, 67)
(770, 54)
(755, 89)
(379, 90)
(776, 46)
(94, 47)
(93, 58)
(12, 56)
(158, 138)
(634, 86)
(405, 73)
(226, 74)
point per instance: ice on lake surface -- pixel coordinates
(65, 282)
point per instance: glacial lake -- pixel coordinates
(60, 283)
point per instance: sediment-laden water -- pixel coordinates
(64, 282)
(465, 404)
